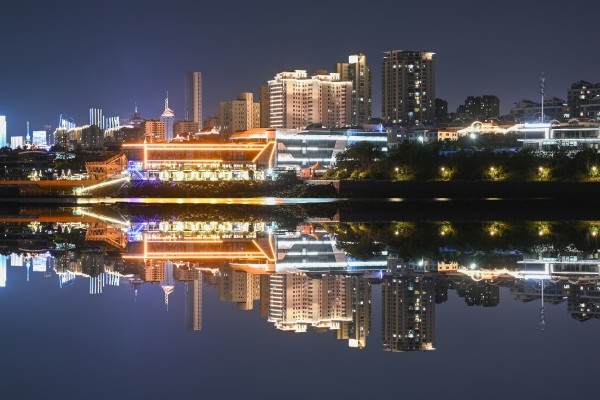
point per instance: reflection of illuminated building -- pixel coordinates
(2, 271)
(311, 248)
(168, 282)
(298, 300)
(408, 313)
(357, 330)
(245, 243)
(239, 287)
(531, 289)
(479, 293)
(168, 119)
(193, 303)
(584, 301)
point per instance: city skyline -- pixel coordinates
(51, 71)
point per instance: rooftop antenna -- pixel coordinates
(167, 101)
(28, 138)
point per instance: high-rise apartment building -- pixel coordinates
(263, 98)
(295, 100)
(408, 87)
(193, 97)
(357, 72)
(239, 115)
(3, 131)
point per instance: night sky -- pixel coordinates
(65, 57)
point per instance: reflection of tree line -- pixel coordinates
(494, 242)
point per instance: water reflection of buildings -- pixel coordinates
(302, 278)
(408, 304)
(325, 302)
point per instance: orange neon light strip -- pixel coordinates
(184, 159)
(262, 151)
(261, 250)
(176, 240)
(223, 147)
(272, 155)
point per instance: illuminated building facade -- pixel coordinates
(239, 115)
(154, 131)
(38, 138)
(408, 307)
(3, 142)
(16, 142)
(408, 87)
(168, 119)
(296, 101)
(193, 97)
(357, 72)
(96, 117)
(3, 259)
(573, 135)
(296, 148)
(181, 162)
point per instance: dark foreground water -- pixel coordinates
(188, 308)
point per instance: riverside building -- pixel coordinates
(408, 87)
(297, 101)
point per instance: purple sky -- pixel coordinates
(65, 57)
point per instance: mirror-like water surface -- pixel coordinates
(127, 302)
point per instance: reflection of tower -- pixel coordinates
(193, 303)
(264, 296)
(168, 283)
(357, 330)
(408, 308)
